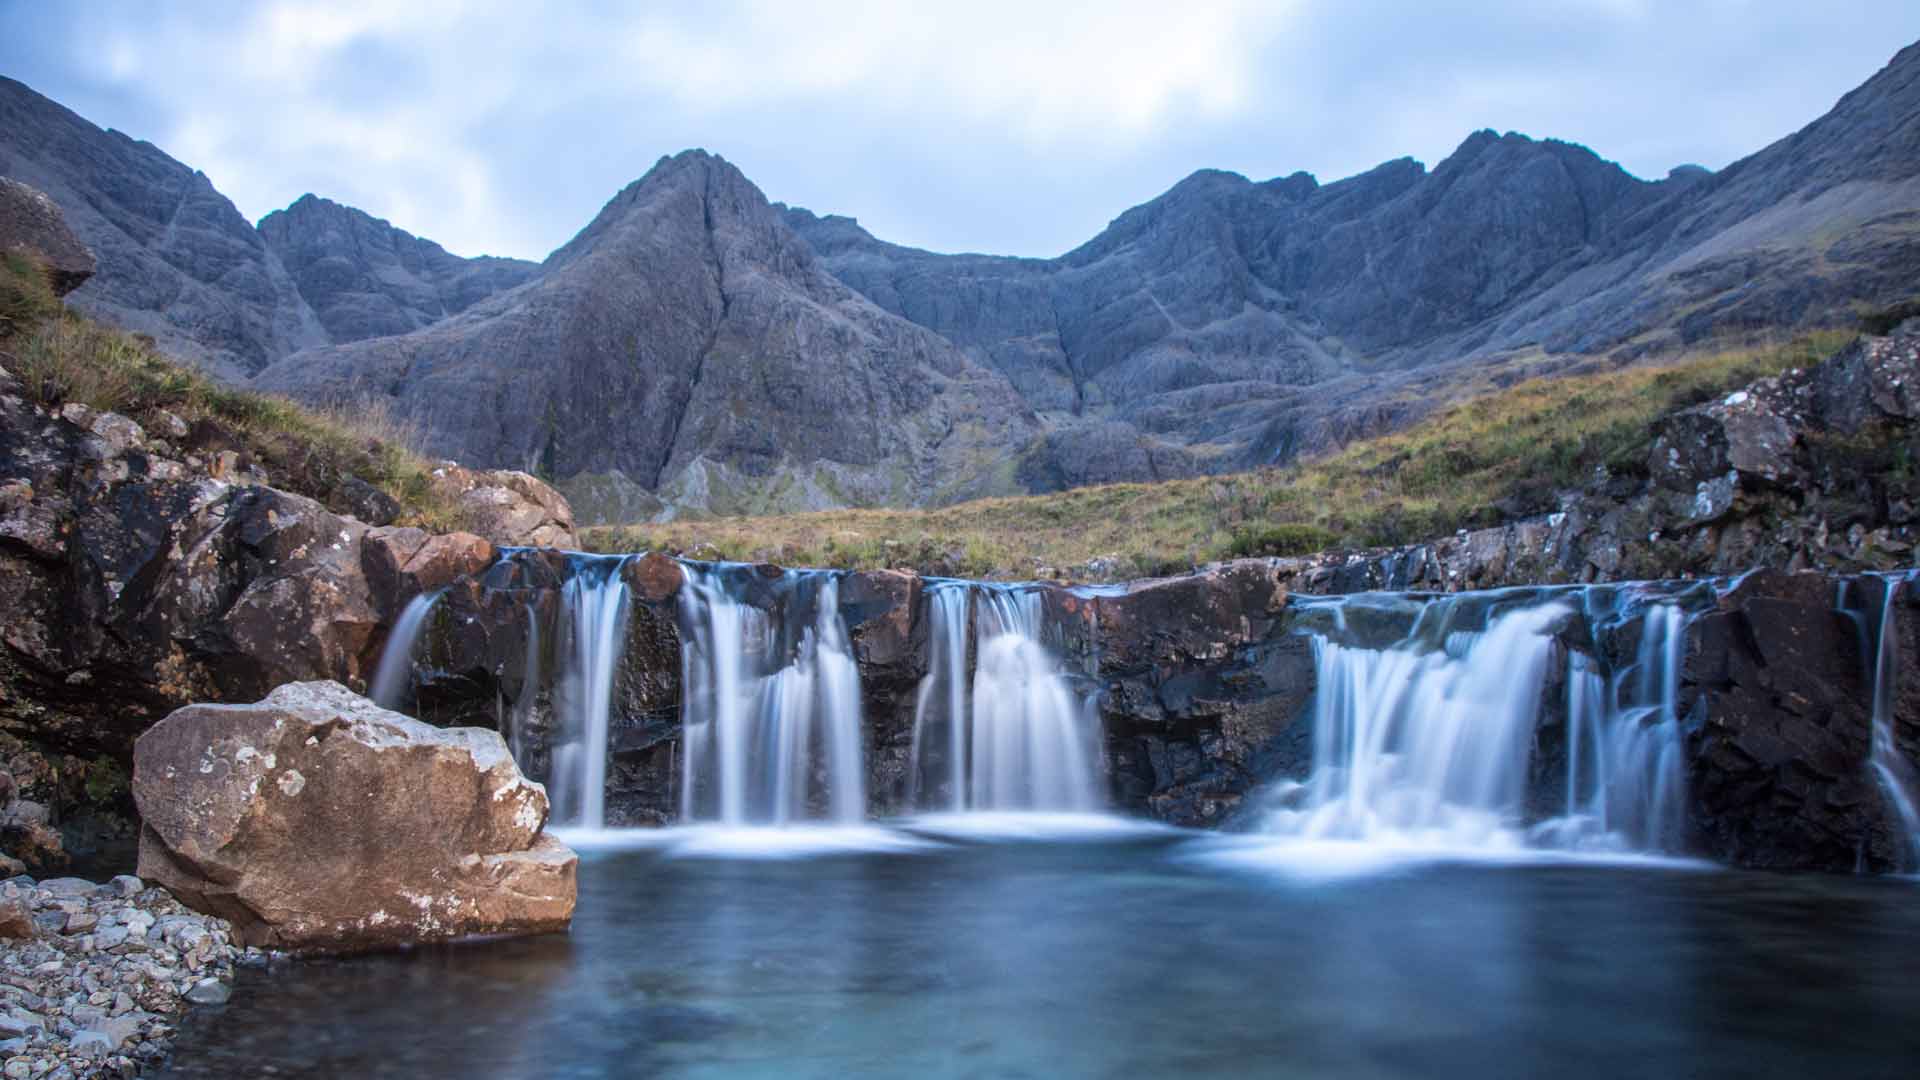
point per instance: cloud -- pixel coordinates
(1016, 127)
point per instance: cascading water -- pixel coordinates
(1626, 780)
(394, 677)
(1425, 745)
(770, 710)
(1022, 739)
(593, 636)
(1895, 773)
(1428, 743)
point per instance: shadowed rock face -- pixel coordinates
(686, 344)
(316, 820)
(1781, 728)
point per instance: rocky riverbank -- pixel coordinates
(94, 978)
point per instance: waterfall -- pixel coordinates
(1429, 743)
(523, 707)
(770, 713)
(1896, 774)
(394, 677)
(593, 606)
(1626, 775)
(942, 700)
(1023, 739)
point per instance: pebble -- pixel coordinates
(97, 989)
(209, 992)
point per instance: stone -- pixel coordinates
(16, 919)
(124, 885)
(362, 500)
(81, 921)
(507, 507)
(452, 848)
(32, 222)
(402, 562)
(1781, 728)
(209, 992)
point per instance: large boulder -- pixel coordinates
(317, 820)
(32, 223)
(507, 507)
(1780, 730)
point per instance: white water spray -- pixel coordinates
(770, 714)
(394, 677)
(1023, 739)
(1428, 744)
(1896, 774)
(594, 613)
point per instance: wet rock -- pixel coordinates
(209, 992)
(1779, 728)
(277, 834)
(401, 563)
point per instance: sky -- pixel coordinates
(1015, 127)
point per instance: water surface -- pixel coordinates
(1116, 954)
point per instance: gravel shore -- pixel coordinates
(94, 978)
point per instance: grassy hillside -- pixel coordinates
(1470, 465)
(60, 356)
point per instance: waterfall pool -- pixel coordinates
(1060, 948)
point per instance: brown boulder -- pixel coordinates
(317, 820)
(31, 222)
(401, 563)
(510, 508)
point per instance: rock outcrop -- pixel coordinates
(316, 820)
(145, 570)
(509, 508)
(1811, 469)
(30, 223)
(1782, 729)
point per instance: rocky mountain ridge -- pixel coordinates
(1230, 323)
(686, 349)
(177, 260)
(696, 348)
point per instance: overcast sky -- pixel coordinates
(1007, 126)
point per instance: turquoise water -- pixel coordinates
(1123, 954)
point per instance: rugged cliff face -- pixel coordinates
(685, 348)
(363, 278)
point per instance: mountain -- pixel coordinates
(1228, 323)
(364, 278)
(686, 349)
(178, 261)
(699, 348)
